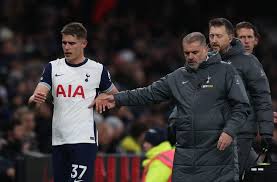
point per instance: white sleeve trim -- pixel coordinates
(109, 89)
(45, 85)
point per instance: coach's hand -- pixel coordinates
(102, 102)
(224, 141)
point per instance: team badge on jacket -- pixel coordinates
(207, 83)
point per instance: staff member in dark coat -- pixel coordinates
(211, 106)
(221, 36)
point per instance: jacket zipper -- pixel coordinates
(193, 130)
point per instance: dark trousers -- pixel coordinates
(74, 162)
(246, 155)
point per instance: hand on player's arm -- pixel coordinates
(224, 141)
(103, 102)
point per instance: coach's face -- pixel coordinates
(195, 53)
(219, 38)
(73, 48)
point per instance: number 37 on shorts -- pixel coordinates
(77, 172)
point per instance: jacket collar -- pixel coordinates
(236, 47)
(213, 58)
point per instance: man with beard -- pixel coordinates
(211, 104)
(260, 120)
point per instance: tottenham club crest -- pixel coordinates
(207, 84)
(87, 75)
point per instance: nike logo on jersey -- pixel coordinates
(184, 82)
(78, 180)
(58, 74)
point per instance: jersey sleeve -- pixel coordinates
(106, 84)
(46, 78)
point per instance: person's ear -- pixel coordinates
(256, 41)
(230, 39)
(231, 36)
(84, 43)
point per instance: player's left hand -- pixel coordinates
(224, 141)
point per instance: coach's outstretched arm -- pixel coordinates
(157, 92)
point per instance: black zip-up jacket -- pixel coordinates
(205, 108)
(258, 90)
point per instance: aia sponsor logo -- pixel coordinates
(70, 91)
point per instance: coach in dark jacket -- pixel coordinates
(260, 120)
(211, 106)
(258, 90)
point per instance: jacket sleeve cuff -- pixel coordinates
(120, 98)
(229, 132)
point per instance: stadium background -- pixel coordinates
(139, 42)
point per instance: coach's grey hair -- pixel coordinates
(195, 37)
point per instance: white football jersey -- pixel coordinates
(73, 88)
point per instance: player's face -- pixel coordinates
(248, 39)
(195, 53)
(73, 48)
(219, 38)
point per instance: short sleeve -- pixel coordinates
(46, 78)
(105, 82)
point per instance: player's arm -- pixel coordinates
(44, 86)
(106, 85)
(39, 96)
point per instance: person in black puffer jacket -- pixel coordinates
(260, 120)
(211, 106)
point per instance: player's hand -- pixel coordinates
(102, 102)
(275, 117)
(224, 141)
(38, 97)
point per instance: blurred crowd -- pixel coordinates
(138, 46)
